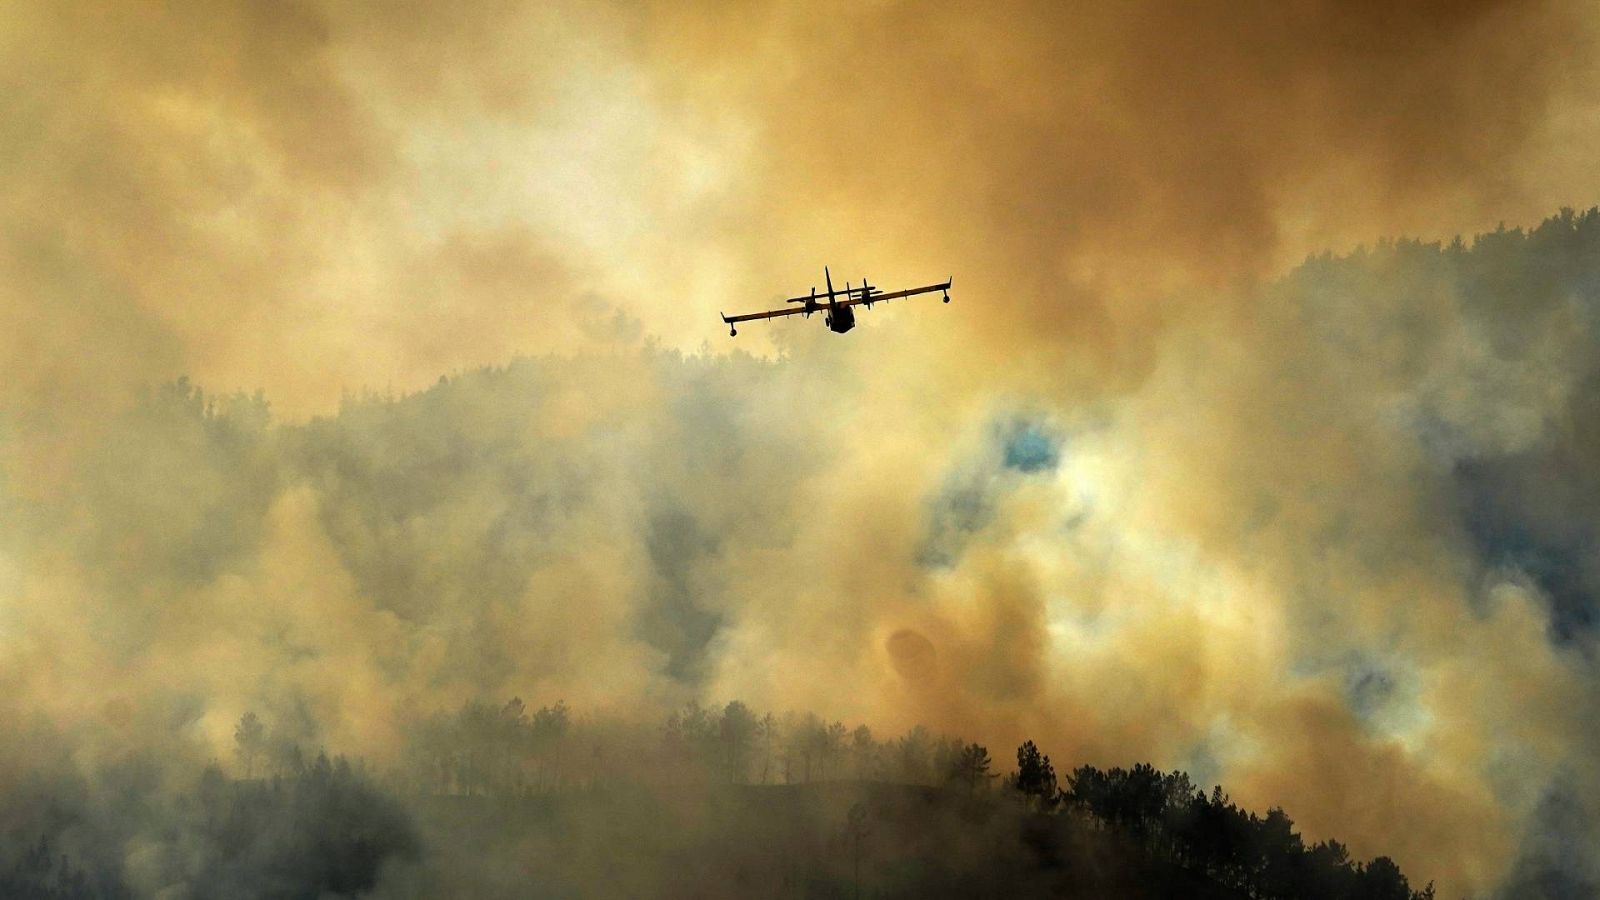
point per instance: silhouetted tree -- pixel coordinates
(1381, 880)
(913, 756)
(250, 740)
(1036, 778)
(946, 756)
(769, 736)
(863, 753)
(972, 767)
(737, 728)
(833, 744)
(809, 741)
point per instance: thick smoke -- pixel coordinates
(1147, 490)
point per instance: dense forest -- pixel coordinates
(713, 802)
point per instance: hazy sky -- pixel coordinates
(1130, 494)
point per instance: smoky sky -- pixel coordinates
(1193, 470)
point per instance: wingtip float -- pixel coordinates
(835, 305)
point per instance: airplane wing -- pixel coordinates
(895, 295)
(770, 314)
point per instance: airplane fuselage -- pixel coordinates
(840, 318)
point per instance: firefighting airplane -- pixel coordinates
(836, 304)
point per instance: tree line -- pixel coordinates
(510, 749)
(1173, 821)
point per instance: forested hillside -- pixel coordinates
(257, 653)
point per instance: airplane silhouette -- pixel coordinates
(836, 303)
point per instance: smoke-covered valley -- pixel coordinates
(360, 373)
(1341, 565)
